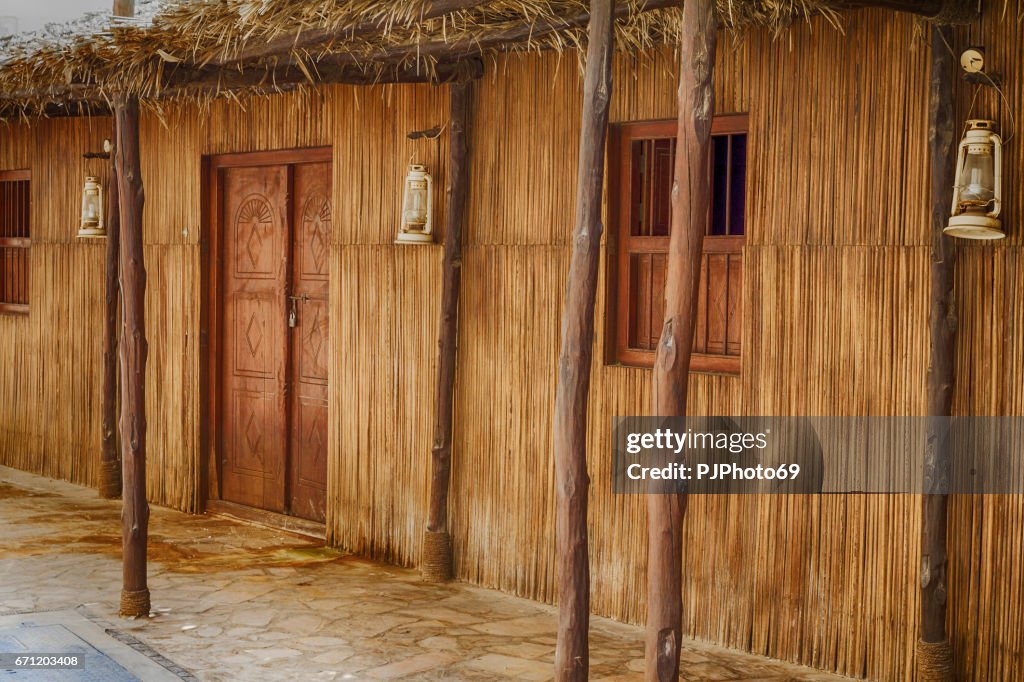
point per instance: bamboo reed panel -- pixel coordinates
(986, 593)
(385, 352)
(372, 153)
(52, 406)
(987, 596)
(384, 334)
(835, 303)
(836, 148)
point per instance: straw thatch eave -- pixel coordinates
(208, 48)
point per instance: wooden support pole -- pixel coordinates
(934, 653)
(124, 8)
(691, 200)
(133, 352)
(437, 543)
(110, 463)
(572, 653)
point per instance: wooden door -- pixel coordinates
(271, 414)
(255, 343)
(311, 239)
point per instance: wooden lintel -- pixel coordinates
(186, 81)
(94, 104)
(71, 92)
(73, 109)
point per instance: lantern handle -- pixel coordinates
(997, 185)
(960, 151)
(429, 227)
(1004, 102)
(1009, 109)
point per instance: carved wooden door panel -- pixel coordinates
(253, 361)
(308, 380)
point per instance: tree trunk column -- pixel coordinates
(437, 543)
(133, 352)
(572, 654)
(110, 464)
(691, 197)
(934, 653)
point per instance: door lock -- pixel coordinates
(293, 313)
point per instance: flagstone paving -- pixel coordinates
(237, 602)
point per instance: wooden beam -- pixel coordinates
(133, 353)
(310, 38)
(572, 652)
(186, 81)
(925, 8)
(437, 543)
(691, 201)
(84, 100)
(110, 463)
(934, 653)
(75, 109)
(66, 94)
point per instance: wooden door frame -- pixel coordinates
(211, 254)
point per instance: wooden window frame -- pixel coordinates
(18, 242)
(617, 349)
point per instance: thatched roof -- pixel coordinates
(202, 48)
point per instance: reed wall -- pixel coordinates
(50, 363)
(835, 300)
(836, 285)
(987, 594)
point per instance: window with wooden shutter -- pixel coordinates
(642, 157)
(15, 239)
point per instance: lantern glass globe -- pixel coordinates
(977, 180)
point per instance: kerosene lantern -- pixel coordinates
(417, 207)
(92, 209)
(978, 193)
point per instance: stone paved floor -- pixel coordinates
(235, 602)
